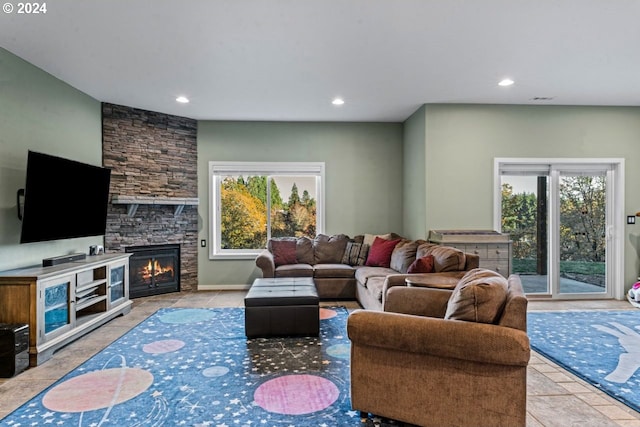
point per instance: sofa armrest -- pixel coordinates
(472, 261)
(265, 262)
(429, 302)
(476, 342)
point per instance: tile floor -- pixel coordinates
(554, 396)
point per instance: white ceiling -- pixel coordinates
(287, 59)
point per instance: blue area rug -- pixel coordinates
(195, 367)
(601, 347)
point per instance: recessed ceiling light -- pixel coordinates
(337, 101)
(505, 82)
(182, 99)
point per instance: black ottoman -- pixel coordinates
(282, 307)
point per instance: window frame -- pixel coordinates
(217, 169)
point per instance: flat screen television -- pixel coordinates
(63, 199)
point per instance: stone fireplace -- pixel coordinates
(154, 187)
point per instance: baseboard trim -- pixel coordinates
(223, 287)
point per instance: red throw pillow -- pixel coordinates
(284, 252)
(421, 265)
(380, 252)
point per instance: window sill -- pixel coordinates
(233, 256)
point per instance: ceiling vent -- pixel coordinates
(542, 98)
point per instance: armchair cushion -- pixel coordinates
(479, 296)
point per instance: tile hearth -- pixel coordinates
(554, 396)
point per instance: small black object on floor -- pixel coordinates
(14, 349)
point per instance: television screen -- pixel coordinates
(63, 199)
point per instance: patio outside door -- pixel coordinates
(559, 219)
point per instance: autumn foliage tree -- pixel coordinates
(244, 213)
(243, 221)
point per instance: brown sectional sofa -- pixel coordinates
(338, 271)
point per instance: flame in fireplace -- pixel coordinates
(154, 268)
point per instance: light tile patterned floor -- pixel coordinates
(554, 396)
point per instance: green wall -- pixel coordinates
(41, 113)
(433, 171)
(462, 141)
(414, 179)
(363, 176)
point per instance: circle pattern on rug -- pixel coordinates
(296, 394)
(193, 315)
(97, 390)
(215, 371)
(163, 346)
(326, 313)
(341, 351)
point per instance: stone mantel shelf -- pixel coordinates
(135, 201)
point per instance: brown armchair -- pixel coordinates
(410, 364)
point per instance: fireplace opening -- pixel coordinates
(153, 270)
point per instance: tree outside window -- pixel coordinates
(251, 208)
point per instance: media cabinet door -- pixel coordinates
(56, 299)
(118, 281)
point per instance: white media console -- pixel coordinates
(60, 303)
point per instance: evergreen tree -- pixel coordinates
(294, 198)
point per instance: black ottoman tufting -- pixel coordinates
(281, 307)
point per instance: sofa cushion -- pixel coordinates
(479, 296)
(369, 238)
(333, 270)
(294, 270)
(355, 253)
(329, 249)
(304, 250)
(380, 252)
(363, 274)
(403, 255)
(424, 249)
(358, 238)
(421, 265)
(284, 252)
(445, 258)
(375, 285)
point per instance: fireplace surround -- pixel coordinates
(154, 185)
(153, 269)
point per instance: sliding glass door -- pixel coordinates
(524, 207)
(559, 216)
(582, 236)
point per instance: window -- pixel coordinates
(254, 201)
